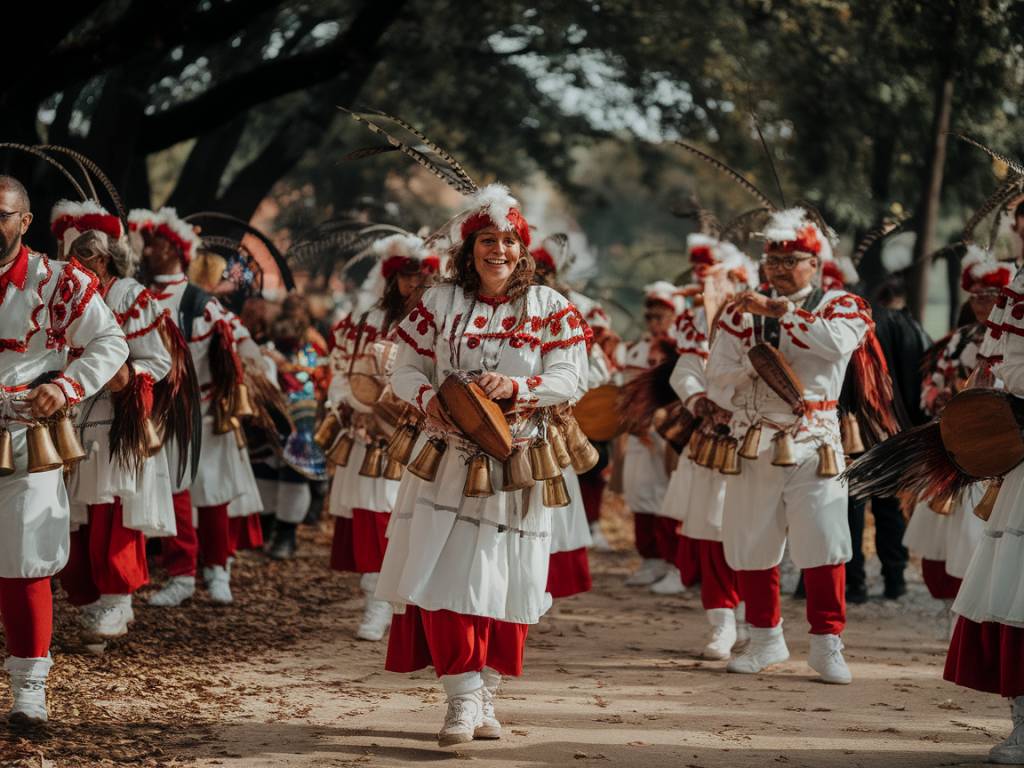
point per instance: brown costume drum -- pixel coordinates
(981, 432)
(481, 419)
(778, 374)
(597, 413)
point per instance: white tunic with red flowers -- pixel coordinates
(480, 556)
(764, 504)
(349, 489)
(52, 320)
(221, 476)
(97, 479)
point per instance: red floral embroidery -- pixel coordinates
(533, 382)
(146, 329)
(556, 328)
(76, 388)
(563, 343)
(404, 336)
(508, 323)
(419, 396)
(516, 342)
(574, 322)
(479, 321)
(473, 342)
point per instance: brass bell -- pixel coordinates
(6, 452)
(785, 450)
(849, 428)
(402, 442)
(750, 449)
(243, 406)
(236, 426)
(543, 464)
(555, 493)
(42, 454)
(327, 431)
(66, 438)
(984, 507)
(515, 471)
(478, 478)
(718, 457)
(584, 456)
(557, 440)
(694, 445)
(222, 419)
(707, 451)
(341, 450)
(393, 470)
(429, 459)
(828, 466)
(941, 505)
(373, 460)
(731, 462)
(574, 434)
(153, 440)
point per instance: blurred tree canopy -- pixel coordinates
(224, 104)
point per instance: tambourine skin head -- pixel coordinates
(981, 432)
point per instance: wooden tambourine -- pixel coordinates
(981, 432)
(598, 414)
(478, 417)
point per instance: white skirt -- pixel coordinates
(151, 508)
(474, 556)
(569, 527)
(350, 490)
(250, 502)
(97, 479)
(993, 586)
(951, 538)
(644, 479)
(706, 506)
(222, 473)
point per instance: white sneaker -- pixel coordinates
(376, 620)
(464, 716)
(598, 542)
(218, 584)
(766, 647)
(28, 686)
(1010, 751)
(105, 623)
(489, 727)
(175, 592)
(826, 658)
(723, 634)
(650, 570)
(669, 584)
(742, 628)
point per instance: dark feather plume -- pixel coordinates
(736, 176)
(177, 410)
(646, 393)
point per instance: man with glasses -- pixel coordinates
(47, 309)
(780, 496)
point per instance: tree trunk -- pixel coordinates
(200, 177)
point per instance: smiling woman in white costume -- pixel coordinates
(470, 573)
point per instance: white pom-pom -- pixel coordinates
(76, 208)
(495, 201)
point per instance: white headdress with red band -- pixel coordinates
(397, 252)
(981, 271)
(663, 291)
(794, 230)
(492, 206)
(701, 249)
(71, 218)
(167, 224)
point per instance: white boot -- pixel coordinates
(489, 727)
(218, 584)
(107, 618)
(1011, 750)
(742, 628)
(598, 542)
(650, 570)
(376, 619)
(723, 634)
(465, 708)
(28, 686)
(766, 647)
(669, 584)
(175, 592)
(826, 658)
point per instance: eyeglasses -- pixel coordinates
(5, 215)
(786, 262)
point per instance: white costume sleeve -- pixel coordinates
(413, 376)
(141, 325)
(834, 330)
(563, 357)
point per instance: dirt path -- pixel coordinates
(611, 679)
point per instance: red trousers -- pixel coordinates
(360, 541)
(687, 560)
(644, 530)
(592, 489)
(666, 538)
(826, 598)
(246, 532)
(569, 573)
(940, 584)
(105, 558)
(213, 538)
(454, 643)
(26, 607)
(719, 584)
(986, 657)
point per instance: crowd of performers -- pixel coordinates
(463, 489)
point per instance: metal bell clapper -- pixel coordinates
(42, 454)
(785, 450)
(731, 462)
(478, 478)
(828, 466)
(554, 492)
(153, 440)
(243, 406)
(516, 473)
(373, 460)
(327, 431)
(429, 459)
(6, 452)
(66, 439)
(849, 428)
(393, 470)
(750, 449)
(402, 442)
(341, 450)
(543, 464)
(557, 440)
(983, 509)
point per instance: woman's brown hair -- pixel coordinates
(466, 276)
